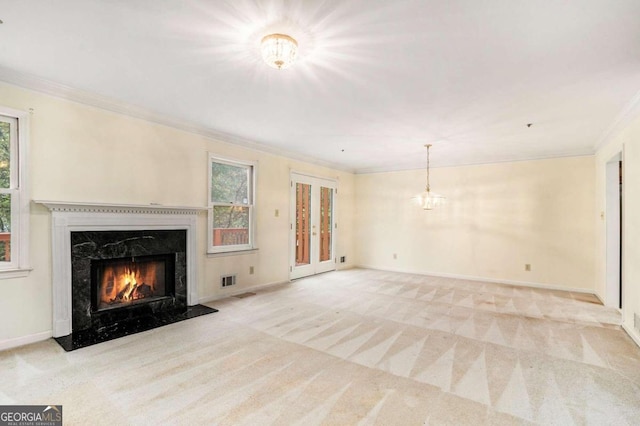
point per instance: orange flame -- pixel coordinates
(126, 283)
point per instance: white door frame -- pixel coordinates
(613, 232)
(315, 266)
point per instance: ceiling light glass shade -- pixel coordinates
(429, 200)
(279, 50)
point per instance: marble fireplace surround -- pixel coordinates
(67, 217)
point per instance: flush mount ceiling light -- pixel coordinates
(279, 50)
(429, 200)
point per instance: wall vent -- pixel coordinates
(227, 280)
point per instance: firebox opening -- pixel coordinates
(122, 282)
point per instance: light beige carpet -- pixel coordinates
(352, 347)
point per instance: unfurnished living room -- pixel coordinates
(331, 212)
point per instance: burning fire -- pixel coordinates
(126, 283)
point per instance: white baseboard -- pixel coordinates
(599, 298)
(237, 291)
(24, 340)
(632, 333)
(345, 267)
(483, 279)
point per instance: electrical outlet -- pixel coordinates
(250, 270)
(277, 213)
(395, 255)
(343, 259)
(527, 267)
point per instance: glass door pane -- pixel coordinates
(326, 209)
(303, 223)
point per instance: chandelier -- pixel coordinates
(429, 200)
(279, 50)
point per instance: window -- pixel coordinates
(231, 205)
(14, 200)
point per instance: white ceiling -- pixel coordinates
(375, 80)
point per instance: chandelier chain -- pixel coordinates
(428, 186)
(428, 200)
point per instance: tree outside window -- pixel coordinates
(231, 205)
(5, 185)
(14, 194)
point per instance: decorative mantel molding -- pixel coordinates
(67, 217)
(71, 206)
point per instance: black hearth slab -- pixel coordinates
(84, 338)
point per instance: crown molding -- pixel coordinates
(577, 153)
(622, 120)
(42, 85)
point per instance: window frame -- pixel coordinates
(18, 266)
(251, 167)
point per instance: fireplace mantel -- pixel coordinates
(67, 217)
(72, 206)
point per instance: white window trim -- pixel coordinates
(211, 249)
(19, 264)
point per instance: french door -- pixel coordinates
(312, 225)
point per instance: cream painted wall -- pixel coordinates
(498, 217)
(85, 154)
(627, 141)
